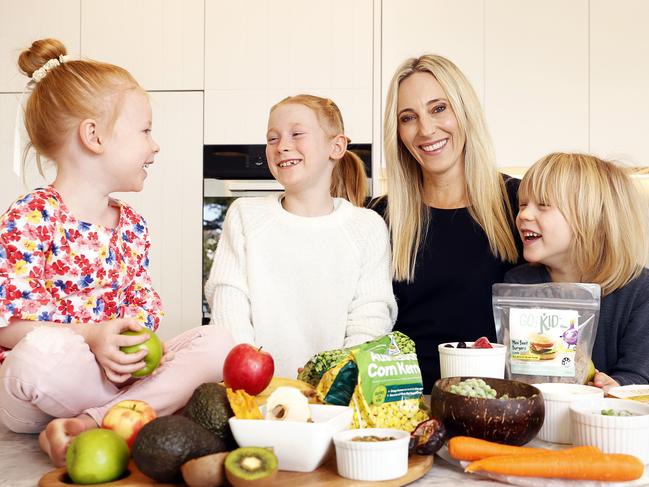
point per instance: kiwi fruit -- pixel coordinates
(207, 471)
(250, 466)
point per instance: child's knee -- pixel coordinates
(217, 338)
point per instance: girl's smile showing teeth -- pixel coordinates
(436, 146)
(529, 236)
(288, 162)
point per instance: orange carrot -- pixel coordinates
(469, 449)
(580, 463)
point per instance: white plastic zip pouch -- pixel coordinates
(549, 329)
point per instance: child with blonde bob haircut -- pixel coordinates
(306, 270)
(582, 219)
(74, 265)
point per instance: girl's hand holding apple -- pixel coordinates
(105, 340)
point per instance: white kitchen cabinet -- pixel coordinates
(172, 204)
(451, 28)
(258, 53)
(619, 80)
(23, 22)
(159, 41)
(536, 77)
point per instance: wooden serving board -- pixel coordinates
(325, 476)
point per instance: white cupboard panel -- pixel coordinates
(159, 41)
(536, 78)
(451, 28)
(619, 78)
(241, 117)
(171, 202)
(21, 23)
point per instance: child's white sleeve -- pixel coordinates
(373, 310)
(226, 290)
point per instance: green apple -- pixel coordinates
(153, 346)
(97, 456)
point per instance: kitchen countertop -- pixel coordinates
(22, 464)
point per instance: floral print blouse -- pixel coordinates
(54, 267)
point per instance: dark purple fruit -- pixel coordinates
(428, 437)
(461, 345)
(448, 345)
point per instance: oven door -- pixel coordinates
(218, 195)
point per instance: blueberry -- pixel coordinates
(461, 345)
(448, 345)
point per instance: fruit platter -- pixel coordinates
(358, 416)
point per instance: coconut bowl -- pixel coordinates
(513, 421)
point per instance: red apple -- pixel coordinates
(126, 418)
(248, 368)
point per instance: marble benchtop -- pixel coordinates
(22, 464)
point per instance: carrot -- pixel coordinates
(469, 449)
(579, 463)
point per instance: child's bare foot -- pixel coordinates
(58, 434)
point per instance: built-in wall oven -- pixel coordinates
(234, 171)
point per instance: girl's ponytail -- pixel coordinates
(349, 180)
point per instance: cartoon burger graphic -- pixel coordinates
(542, 346)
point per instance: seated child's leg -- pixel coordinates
(199, 354)
(51, 373)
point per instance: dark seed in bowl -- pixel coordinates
(461, 345)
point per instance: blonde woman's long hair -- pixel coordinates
(606, 213)
(407, 215)
(348, 179)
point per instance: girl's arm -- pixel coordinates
(226, 290)
(373, 310)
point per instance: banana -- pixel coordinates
(306, 389)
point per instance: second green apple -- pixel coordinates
(154, 348)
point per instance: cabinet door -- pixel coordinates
(171, 202)
(21, 23)
(159, 41)
(254, 57)
(619, 78)
(536, 77)
(451, 28)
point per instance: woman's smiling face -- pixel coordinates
(427, 125)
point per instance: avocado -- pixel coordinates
(165, 444)
(209, 407)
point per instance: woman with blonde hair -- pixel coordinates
(582, 219)
(448, 209)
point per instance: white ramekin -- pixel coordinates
(612, 434)
(557, 398)
(472, 362)
(363, 460)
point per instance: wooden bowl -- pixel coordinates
(510, 421)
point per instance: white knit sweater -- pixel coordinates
(299, 285)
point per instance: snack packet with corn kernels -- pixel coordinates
(380, 382)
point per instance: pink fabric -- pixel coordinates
(37, 385)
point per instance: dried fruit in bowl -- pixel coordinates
(243, 404)
(482, 342)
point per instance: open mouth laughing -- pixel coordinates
(288, 162)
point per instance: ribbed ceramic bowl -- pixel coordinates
(483, 362)
(612, 434)
(558, 397)
(380, 460)
(510, 421)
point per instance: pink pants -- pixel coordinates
(37, 385)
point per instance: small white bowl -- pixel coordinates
(299, 447)
(372, 460)
(612, 434)
(557, 397)
(472, 362)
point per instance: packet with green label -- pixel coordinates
(381, 381)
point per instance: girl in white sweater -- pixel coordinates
(305, 270)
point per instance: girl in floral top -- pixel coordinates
(74, 262)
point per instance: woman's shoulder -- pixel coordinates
(511, 186)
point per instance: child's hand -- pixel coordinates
(105, 342)
(603, 381)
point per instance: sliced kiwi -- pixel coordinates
(250, 466)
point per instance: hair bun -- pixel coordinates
(39, 53)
